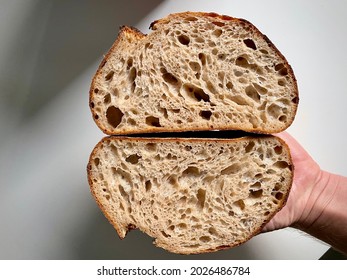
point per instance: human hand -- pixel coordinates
(317, 201)
(307, 174)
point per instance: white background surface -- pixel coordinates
(49, 51)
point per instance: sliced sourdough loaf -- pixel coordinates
(192, 195)
(194, 71)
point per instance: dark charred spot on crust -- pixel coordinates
(246, 22)
(103, 62)
(295, 100)
(151, 26)
(131, 227)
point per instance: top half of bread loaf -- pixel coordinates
(194, 71)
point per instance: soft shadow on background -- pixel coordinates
(56, 41)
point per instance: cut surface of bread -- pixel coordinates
(191, 195)
(194, 71)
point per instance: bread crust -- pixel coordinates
(135, 35)
(124, 31)
(130, 227)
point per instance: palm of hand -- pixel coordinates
(306, 174)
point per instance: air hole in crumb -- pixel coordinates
(129, 63)
(133, 159)
(279, 66)
(222, 56)
(132, 78)
(151, 147)
(277, 187)
(281, 69)
(107, 197)
(164, 112)
(282, 164)
(256, 184)
(232, 169)
(249, 147)
(199, 40)
(217, 32)
(282, 118)
(164, 234)
(218, 23)
(281, 82)
(206, 115)
(96, 161)
(109, 76)
(194, 66)
(114, 116)
(278, 150)
(96, 116)
(202, 58)
(250, 44)
(270, 171)
(241, 61)
(131, 122)
(212, 231)
(240, 203)
(96, 90)
(182, 226)
(191, 171)
(229, 85)
(252, 93)
(205, 239)
(122, 192)
(260, 89)
(183, 39)
(153, 121)
(196, 93)
(191, 19)
(107, 98)
(274, 110)
(266, 213)
(148, 46)
(172, 180)
(238, 73)
(92, 105)
(264, 51)
(201, 196)
(148, 185)
(279, 195)
(169, 78)
(256, 193)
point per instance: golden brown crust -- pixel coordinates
(92, 190)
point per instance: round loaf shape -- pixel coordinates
(194, 71)
(191, 195)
